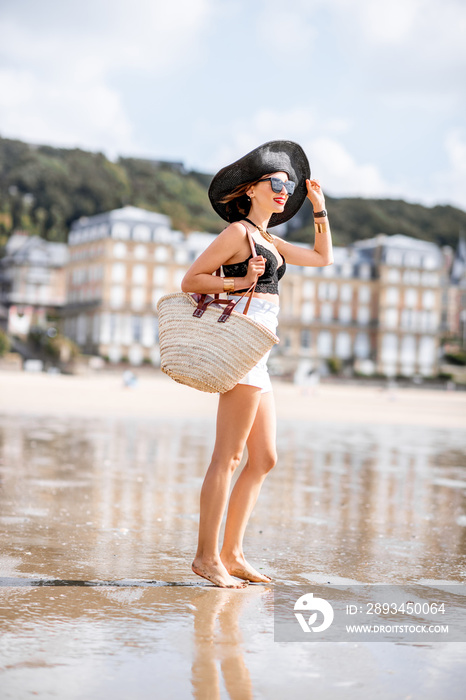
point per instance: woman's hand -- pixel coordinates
(256, 268)
(315, 194)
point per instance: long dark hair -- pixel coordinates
(237, 202)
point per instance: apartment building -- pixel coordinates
(120, 264)
(377, 309)
(32, 281)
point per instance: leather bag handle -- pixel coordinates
(204, 300)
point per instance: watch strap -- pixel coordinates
(320, 214)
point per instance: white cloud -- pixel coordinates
(56, 85)
(264, 125)
(339, 172)
(450, 185)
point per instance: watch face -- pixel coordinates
(321, 213)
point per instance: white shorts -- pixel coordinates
(266, 313)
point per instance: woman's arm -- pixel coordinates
(200, 278)
(322, 254)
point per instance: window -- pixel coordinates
(136, 326)
(322, 290)
(363, 315)
(430, 279)
(412, 260)
(141, 232)
(121, 231)
(181, 256)
(138, 297)
(306, 338)
(119, 250)
(432, 320)
(140, 252)
(408, 319)
(393, 275)
(343, 345)
(364, 271)
(389, 347)
(346, 292)
(118, 272)
(364, 294)
(411, 277)
(346, 270)
(307, 311)
(139, 274)
(308, 289)
(391, 318)
(392, 296)
(344, 313)
(410, 297)
(117, 296)
(161, 253)
(408, 349)
(326, 312)
(160, 276)
(324, 344)
(426, 350)
(362, 346)
(429, 262)
(428, 299)
(394, 257)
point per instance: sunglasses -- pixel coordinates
(278, 185)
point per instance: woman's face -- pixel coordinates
(263, 195)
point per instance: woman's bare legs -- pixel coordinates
(236, 414)
(261, 458)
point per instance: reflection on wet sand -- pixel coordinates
(98, 525)
(119, 500)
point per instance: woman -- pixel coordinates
(264, 188)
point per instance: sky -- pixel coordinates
(374, 91)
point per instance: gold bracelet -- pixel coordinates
(228, 284)
(322, 228)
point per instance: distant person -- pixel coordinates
(129, 379)
(264, 188)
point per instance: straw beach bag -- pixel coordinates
(205, 343)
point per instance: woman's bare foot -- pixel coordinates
(239, 567)
(216, 573)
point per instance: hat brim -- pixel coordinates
(271, 157)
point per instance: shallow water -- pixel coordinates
(98, 525)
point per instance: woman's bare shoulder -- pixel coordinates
(235, 229)
(233, 235)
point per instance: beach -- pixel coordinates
(158, 396)
(99, 505)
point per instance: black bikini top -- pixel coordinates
(266, 283)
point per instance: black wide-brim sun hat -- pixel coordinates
(271, 157)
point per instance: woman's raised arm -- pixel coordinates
(322, 253)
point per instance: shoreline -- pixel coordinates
(158, 396)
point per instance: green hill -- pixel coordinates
(43, 189)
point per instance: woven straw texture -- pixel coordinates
(203, 353)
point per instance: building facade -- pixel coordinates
(377, 309)
(120, 264)
(32, 281)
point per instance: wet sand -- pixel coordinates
(99, 491)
